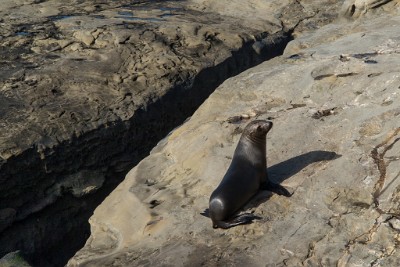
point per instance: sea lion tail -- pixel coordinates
(245, 218)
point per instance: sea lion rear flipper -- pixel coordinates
(245, 218)
(276, 188)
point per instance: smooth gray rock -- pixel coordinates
(14, 259)
(358, 8)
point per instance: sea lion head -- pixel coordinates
(257, 129)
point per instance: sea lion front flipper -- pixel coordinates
(276, 188)
(245, 218)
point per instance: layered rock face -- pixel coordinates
(334, 99)
(87, 88)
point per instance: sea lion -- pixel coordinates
(244, 178)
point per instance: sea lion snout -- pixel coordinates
(258, 128)
(265, 126)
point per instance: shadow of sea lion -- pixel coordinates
(282, 171)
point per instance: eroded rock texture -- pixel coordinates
(334, 99)
(87, 88)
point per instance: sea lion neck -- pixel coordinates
(260, 141)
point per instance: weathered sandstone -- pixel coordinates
(334, 99)
(87, 88)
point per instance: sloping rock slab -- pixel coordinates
(335, 145)
(87, 88)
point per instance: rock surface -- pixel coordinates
(334, 100)
(14, 259)
(87, 88)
